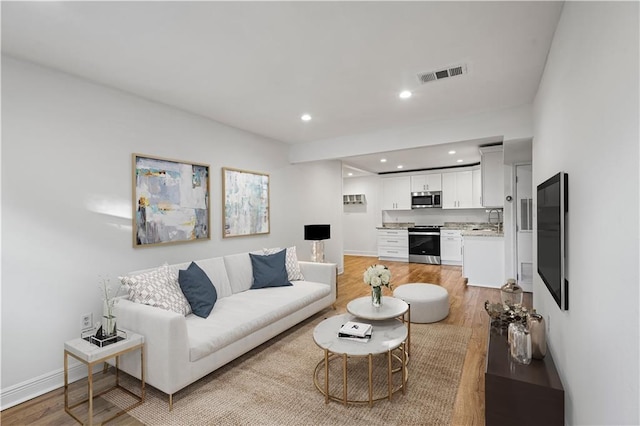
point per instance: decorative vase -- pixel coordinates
(520, 345)
(511, 293)
(376, 296)
(108, 321)
(535, 323)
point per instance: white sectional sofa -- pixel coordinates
(182, 349)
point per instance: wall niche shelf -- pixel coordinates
(354, 199)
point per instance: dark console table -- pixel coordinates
(518, 394)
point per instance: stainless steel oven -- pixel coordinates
(424, 244)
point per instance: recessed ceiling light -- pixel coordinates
(399, 166)
(405, 94)
(305, 117)
(349, 174)
(460, 160)
(383, 160)
(452, 152)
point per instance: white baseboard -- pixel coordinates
(360, 253)
(32, 388)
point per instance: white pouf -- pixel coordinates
(429, 302)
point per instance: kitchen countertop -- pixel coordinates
(396, 225)
(475, 229)
(469, 229)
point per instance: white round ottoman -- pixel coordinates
(429, 302)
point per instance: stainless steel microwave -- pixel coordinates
(426, 200)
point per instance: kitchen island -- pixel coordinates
(483, 259)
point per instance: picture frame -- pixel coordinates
(170, 201)
(245, 203)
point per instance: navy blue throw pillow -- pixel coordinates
(198, 290)
(269, 270)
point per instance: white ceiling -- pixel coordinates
(259, 66)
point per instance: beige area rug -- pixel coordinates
(273, 385)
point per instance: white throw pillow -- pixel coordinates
(291, 262)
(158, 287)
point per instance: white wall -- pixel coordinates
(361, 220)
(66, 205)
(586, 124)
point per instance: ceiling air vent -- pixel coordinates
(427, 77)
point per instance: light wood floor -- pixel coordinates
(467, 310)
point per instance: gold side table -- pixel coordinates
(91, 355)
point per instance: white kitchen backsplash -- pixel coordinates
(434, 216)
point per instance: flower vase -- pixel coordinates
(108, 321)
(376, 296)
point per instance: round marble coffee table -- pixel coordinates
(391, 307)
(387, 336)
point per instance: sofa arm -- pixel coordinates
(166, 343)
(321, 273)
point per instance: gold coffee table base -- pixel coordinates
(329, 356)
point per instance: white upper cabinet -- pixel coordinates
(432, 182)
(457, 190)
(396, 193)
(477, 188)
(492, 166)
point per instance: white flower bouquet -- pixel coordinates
(377, 275)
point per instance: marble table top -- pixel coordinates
(391, 307)
(386, 335)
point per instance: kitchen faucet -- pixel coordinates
(499, 223)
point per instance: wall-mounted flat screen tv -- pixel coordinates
(552, 208)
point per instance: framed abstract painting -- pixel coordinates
(245, 203)
(170, 201)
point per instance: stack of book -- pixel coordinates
(355, 331)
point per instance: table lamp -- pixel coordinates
(317, 234)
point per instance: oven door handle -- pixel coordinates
(424, 233)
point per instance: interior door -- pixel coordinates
(524, 226)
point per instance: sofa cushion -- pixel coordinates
(198, 290)
(291, 262)
(217, 273)
(157, 287)
(215, 270)
(240, 272)
(231, 320)
(269, 270)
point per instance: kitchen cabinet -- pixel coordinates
(483, 260)
(457, 190)
(477, 189)
(450, 247)
(393, 244)
(396, 193)
(492, 166)
(421, 183)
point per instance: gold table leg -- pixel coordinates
(66, 382)
(370, 380)
(403, 368)
(326, 376)
(344, 379)
(409, 331)
(389, 375)
(90, 380)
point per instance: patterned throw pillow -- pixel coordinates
(291, 262)
(158, 287)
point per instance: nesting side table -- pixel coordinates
(90, 355)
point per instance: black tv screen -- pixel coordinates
(552, 208)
